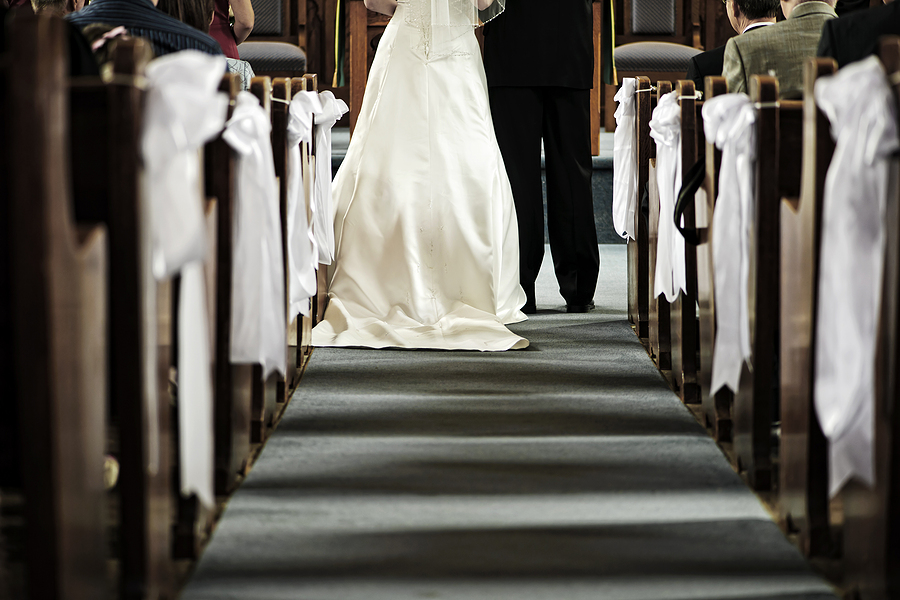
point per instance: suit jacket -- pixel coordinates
(540, 43)
(779, 49)
(705, 64)
(855, 36)
(142, 19)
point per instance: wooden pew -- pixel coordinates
(683, 312)
(639, 249)
(871, 532)
(803, 473)
(106, 136)
(281, 93)
(716, 408)
(265, 392)
(658, 307)
(233, 383)
(779, 135)
(56, 320)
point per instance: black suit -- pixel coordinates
(706, 64)
(540, 65)
(855, 36)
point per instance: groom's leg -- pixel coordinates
(570, 203)
(516, 112)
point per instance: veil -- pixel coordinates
(442, 21)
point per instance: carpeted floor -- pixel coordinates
(566, 471)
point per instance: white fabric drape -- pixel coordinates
(730, 121)
(332, 109)
(860, 106)
(185, 110)
(258, 320)
(665, 127)
(625, 167)
(303, 254)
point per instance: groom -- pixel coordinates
(539, 59)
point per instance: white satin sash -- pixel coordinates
(258, 321)
(185, 110)
(303, 255)
(625, 159)
(323, 227)
(730, 121)
(860, 106)
(665, 127)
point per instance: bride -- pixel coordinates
(426, 241)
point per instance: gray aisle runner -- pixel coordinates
(562, 472)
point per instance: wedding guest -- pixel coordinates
(196, 13)
(855, 36)
(229, 37)
(745, 16)
(780, 49)
(141, 18)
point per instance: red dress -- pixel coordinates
(221, 31)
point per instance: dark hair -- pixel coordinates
(755, 9)
(56, 7)
(196, 13)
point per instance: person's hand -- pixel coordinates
(385, 7)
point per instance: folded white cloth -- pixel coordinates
(670, 277)
(860, 106)
(184, 111)
(730, 121)
(303, 254)
(258, 320)
(625, 161)
(323, 227)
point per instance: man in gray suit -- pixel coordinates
(780, 49)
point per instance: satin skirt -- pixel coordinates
(426, 240)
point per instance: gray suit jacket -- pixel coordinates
(779, 50)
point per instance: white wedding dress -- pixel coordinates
(426, 240)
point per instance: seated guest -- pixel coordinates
(780, 49)
(229, 37)
(855, 36)
(744, 16)
(142, 19)
(59, 8)
(196, 13)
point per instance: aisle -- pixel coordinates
(564, 472)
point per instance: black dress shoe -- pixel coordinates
(529, 308)
(580, 308)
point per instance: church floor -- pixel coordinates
(561, 472)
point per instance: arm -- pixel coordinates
(733, 69)
(483, 4)
(243, 19)
(385, 7)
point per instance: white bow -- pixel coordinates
(625, 167)
(323, 225)
(730, 120)
(860, 106)
(302, 249)
(665, 127)
(258, 320)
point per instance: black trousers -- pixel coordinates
(561, 117)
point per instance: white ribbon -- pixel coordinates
(185, 110)
(625, 167)
(258, 321)
(860, 106)
(323, 225)
(665, 127)
(730, 121)
(303, 252)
